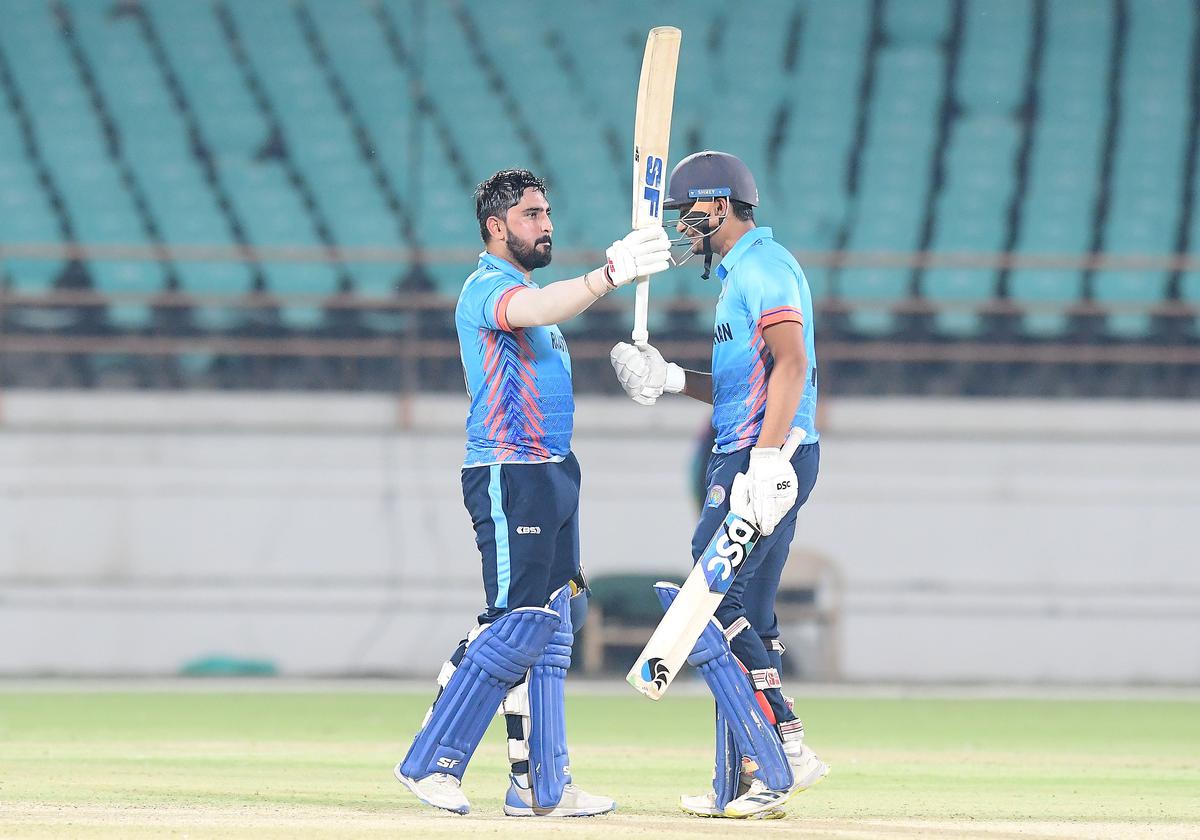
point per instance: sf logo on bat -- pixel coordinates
(726, 551)
(653, 184)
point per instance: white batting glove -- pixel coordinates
(766, 491)
(642, 252)
(663, 376)
(644, 374)
(632, 370)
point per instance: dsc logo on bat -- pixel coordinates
(653, 191)
(726, 551)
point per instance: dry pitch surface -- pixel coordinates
(268, 764)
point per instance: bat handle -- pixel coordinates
(795, 437)
(641, 306)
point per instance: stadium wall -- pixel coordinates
(974, 541)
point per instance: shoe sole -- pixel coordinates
(529, 812)
(411, 784)
(772, 814)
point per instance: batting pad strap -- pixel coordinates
(791, 730)
(754, 735)
(549, 763)
(739, 624)
(764, 678)
(775, 644)
(497, 658)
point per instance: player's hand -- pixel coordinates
(644, 373)
(766, 491)
(642, 252)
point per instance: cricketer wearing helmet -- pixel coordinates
(763, 383)
(521, 487)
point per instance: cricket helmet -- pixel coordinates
(708, 174)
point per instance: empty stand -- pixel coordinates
(948, 126)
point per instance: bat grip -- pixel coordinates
(795, 437)
(641, 306)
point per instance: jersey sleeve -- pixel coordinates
(771, 292)
(490, 295)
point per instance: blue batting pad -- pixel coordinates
(549, 765)
(494, 662)
(755, 737)
(727, 769)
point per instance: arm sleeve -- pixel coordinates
(772, 294)
(493, 292)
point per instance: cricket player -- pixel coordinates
(763, 383)
(521, 487)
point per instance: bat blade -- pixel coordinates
(651, 139)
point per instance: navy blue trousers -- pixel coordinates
(526, 519)
(752, 593)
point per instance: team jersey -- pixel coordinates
(519, 379)
(761, 284)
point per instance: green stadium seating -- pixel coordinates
(565, 122)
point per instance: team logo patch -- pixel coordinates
(654, 671)
(716, 495)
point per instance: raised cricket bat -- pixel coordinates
(698, 599)
(651, 138)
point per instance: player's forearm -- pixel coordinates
(556, 302)
(698, 385)
(785, 387)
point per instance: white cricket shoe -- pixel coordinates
(441, 790)
(807, 770)
(705, 805)
(575, 802)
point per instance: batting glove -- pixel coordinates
(766, 491)
(642, 252)
(644, 374)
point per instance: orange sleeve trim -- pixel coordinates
(501, 311)
(779, 315)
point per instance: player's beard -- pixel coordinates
(531, 256)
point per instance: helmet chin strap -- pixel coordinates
(708, 252)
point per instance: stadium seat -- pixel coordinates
(1048, 293)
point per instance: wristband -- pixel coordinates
(588, 283)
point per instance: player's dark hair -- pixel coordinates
(742, 211)
(503, 190)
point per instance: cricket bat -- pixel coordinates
(698, 599)
(651, 139)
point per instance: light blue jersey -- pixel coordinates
(519, 379)
(761, 284)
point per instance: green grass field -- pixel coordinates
(265, 764)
